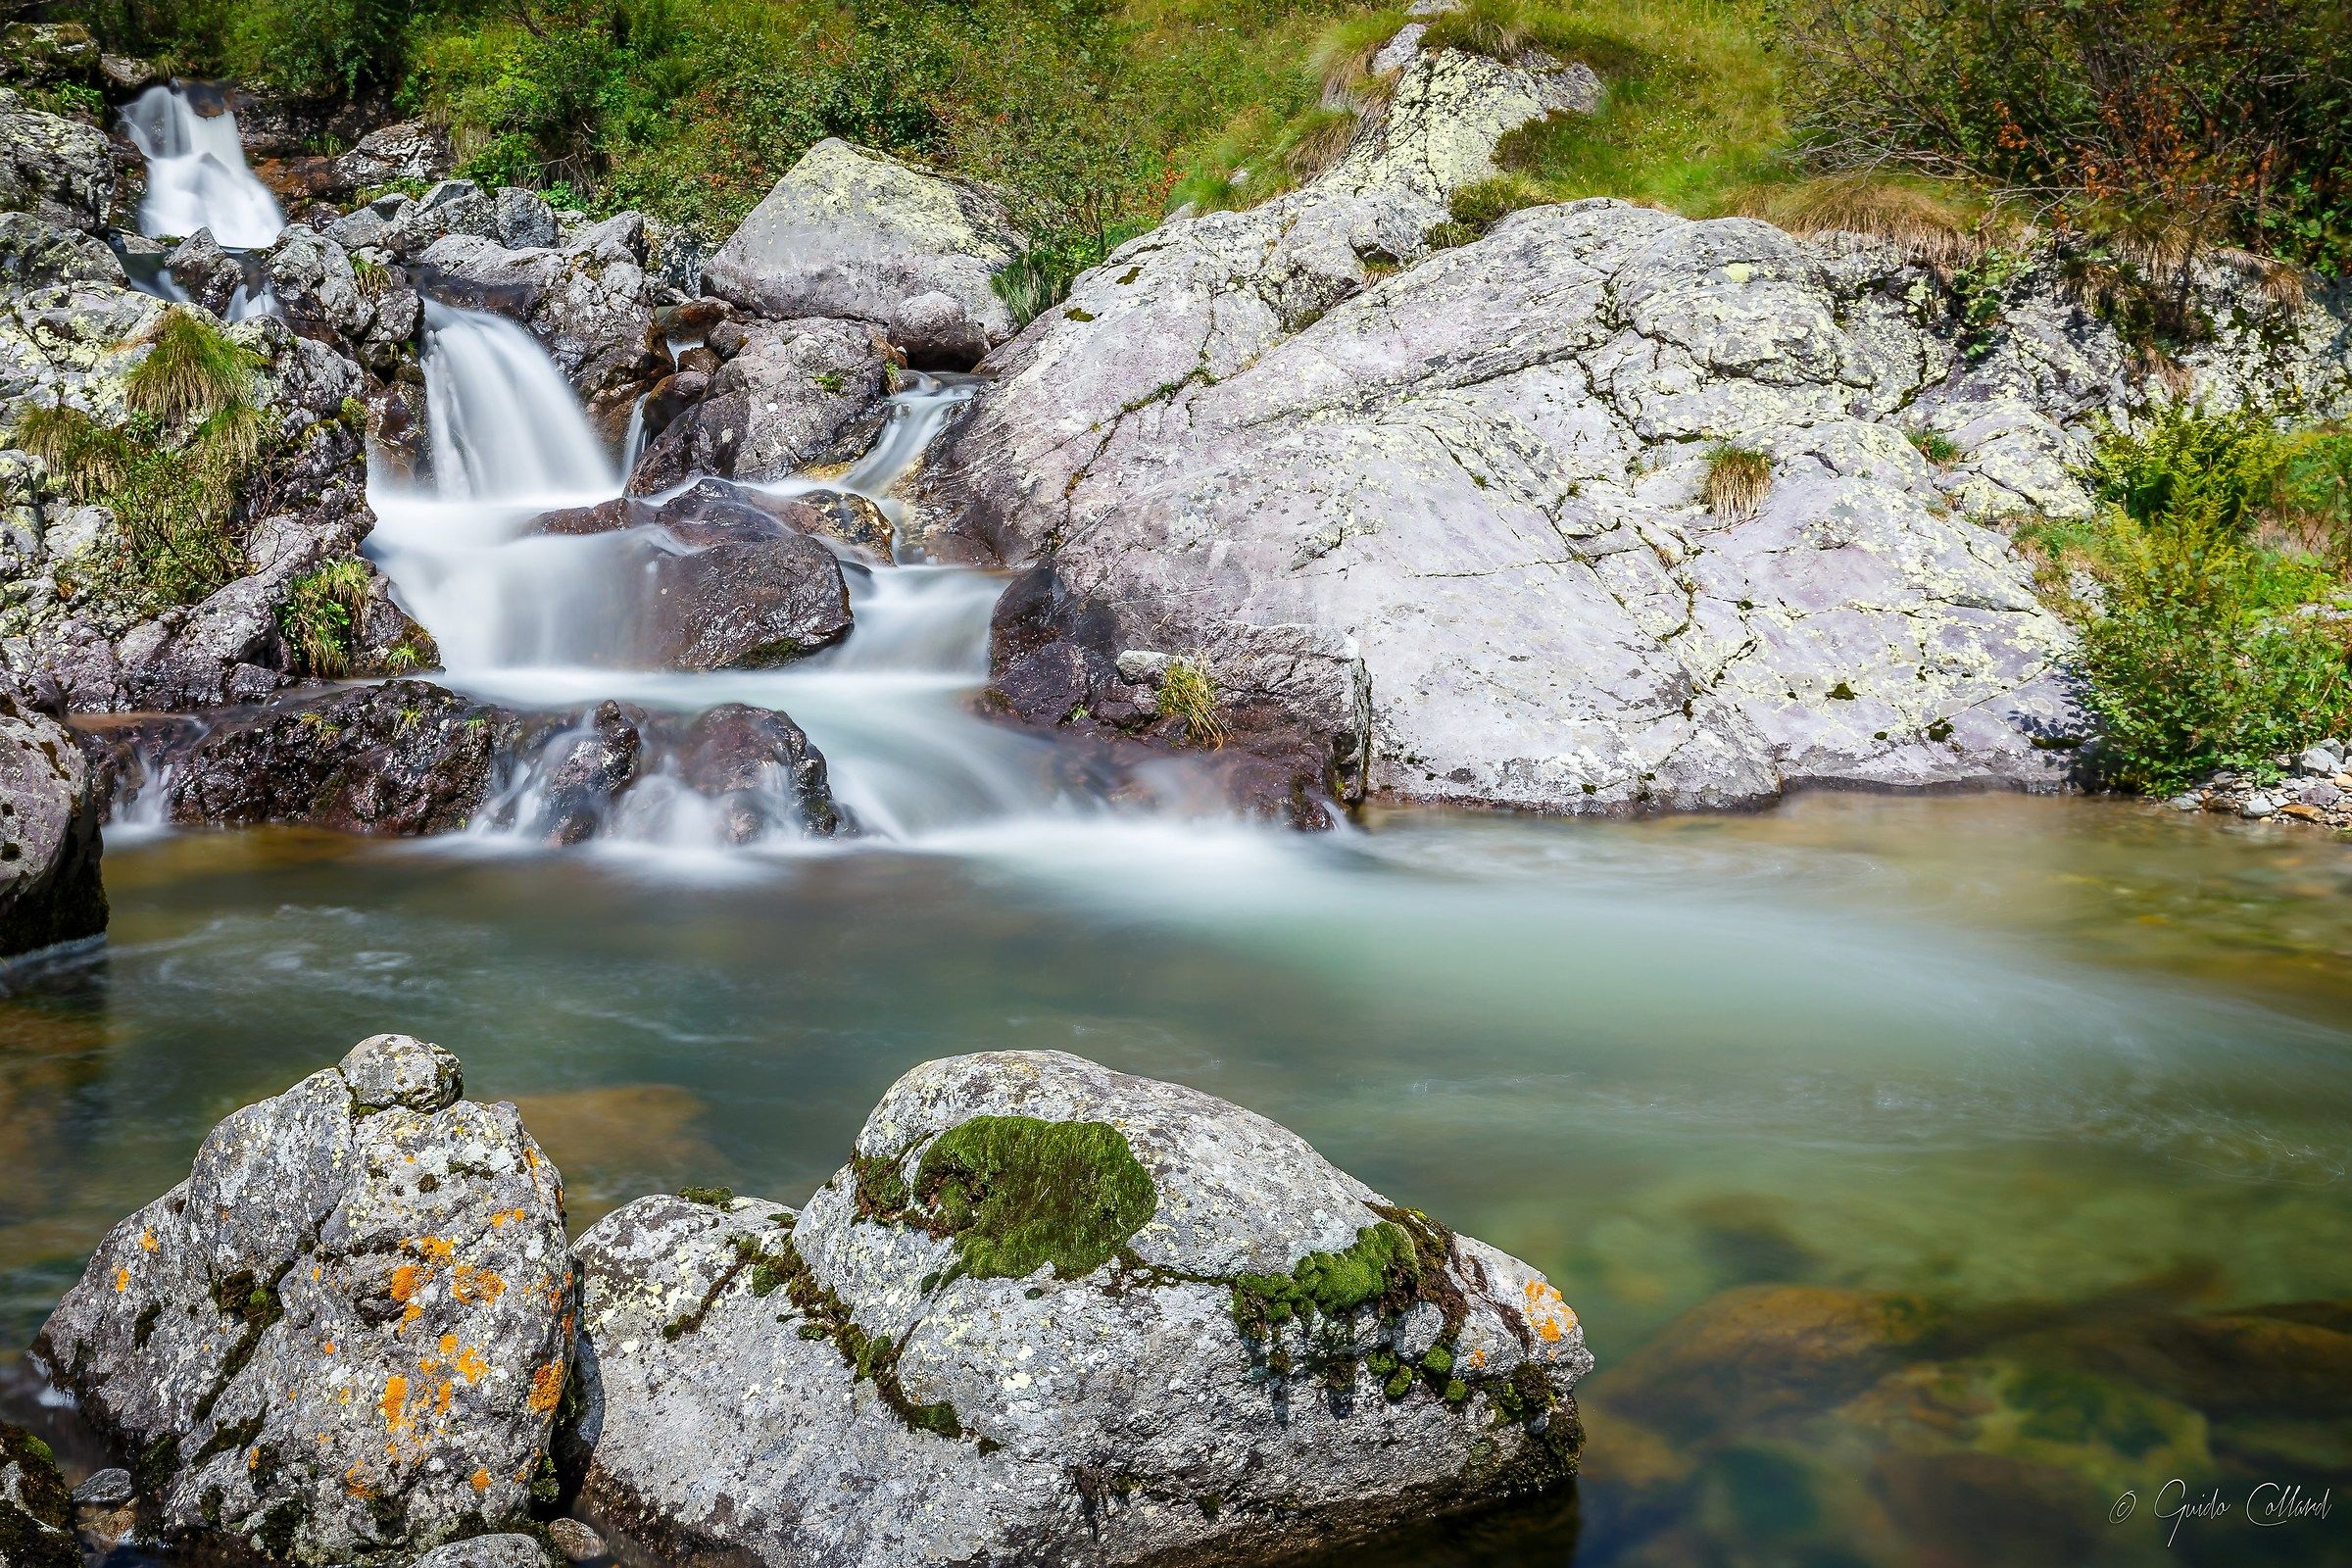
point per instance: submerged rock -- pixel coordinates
(853, 233)
(343, 1338)
(736, 583)
(1053, 1314)
(50, 889)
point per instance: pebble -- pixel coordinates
(107, 1488)
(2321, 794)
(2258, 805)
(575, 1540)
(2320, 760)
(2187, 802)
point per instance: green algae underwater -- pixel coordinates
(1938, 1178)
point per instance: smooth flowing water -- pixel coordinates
(196, 174)
(2014, 1136)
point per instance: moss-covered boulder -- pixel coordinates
(343, 1338)
(60, 171)
(1054, 1313)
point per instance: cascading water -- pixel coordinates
(196, 174)
(546, 621)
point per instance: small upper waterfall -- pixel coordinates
(196, 174)
(554, 621)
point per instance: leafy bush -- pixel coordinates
(2206, 646)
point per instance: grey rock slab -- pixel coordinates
(848, 232)
(50, 889)
(796, 394)
(106, 1489)
(345, 1335)
(488, 1552)
(1120, 1415)
(35, 254)
(60, 171)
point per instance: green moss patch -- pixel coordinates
(1017, 1193)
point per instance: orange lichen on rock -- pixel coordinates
(352, 1483)
(147, 1242)
(476, 1286)
(1550, 1316)
(122, 1280)
(395, 1402)
(481, 1481)
(547, 1386)
(470, 1366)
(449, 1344)
(405, 1280)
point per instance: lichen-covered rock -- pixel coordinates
(412, 148)
(488, 1552)
(69, 605)
(58, 169)
(852, 234)
(1450, 526)
(344, 1337)
(795, 394)
(36, 255)
(36, 1513)
(50, 889)
(1053, 1314)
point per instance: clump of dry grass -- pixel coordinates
(1186, 692)
(1736, 481)
(1930, 227)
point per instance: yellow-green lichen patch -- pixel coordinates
(1017, 1193)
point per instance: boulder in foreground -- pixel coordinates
(344, 1337)
(1054, 1313)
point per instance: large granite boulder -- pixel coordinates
(412, 148)
(733, 578)
(50, 889)
(852, 234)
(343, 1339)
(1053, 1314)
(58, 169)
(1454, 523)
(794, 394)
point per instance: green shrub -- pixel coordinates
(2206, 644)
(321, 611)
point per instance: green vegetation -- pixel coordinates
(1187, 692)
(1736, 480)
(1934, 445)
(170, 472)
(1018, 1194)
(320, 609)
(2217, 630)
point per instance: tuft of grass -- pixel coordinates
(1938, 223)
(1341, 57)
(1737, 478)
(192, 371)
(321, 611)
(1500, 29)
(1934, 445)
(84, 458)
(371, 277)
(1186, 692)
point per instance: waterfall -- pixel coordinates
(196, 174)
(554, 622)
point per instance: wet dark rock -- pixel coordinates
(50, 889)
(209, 274)
(745, 586)
(575, 1540)
(488, 1552)
(36, 1514)
(405, 757)
(343, 1338)
(106, 1489)
(792, 394)
(750, 759)
(1119, 1395)
(583, 769)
